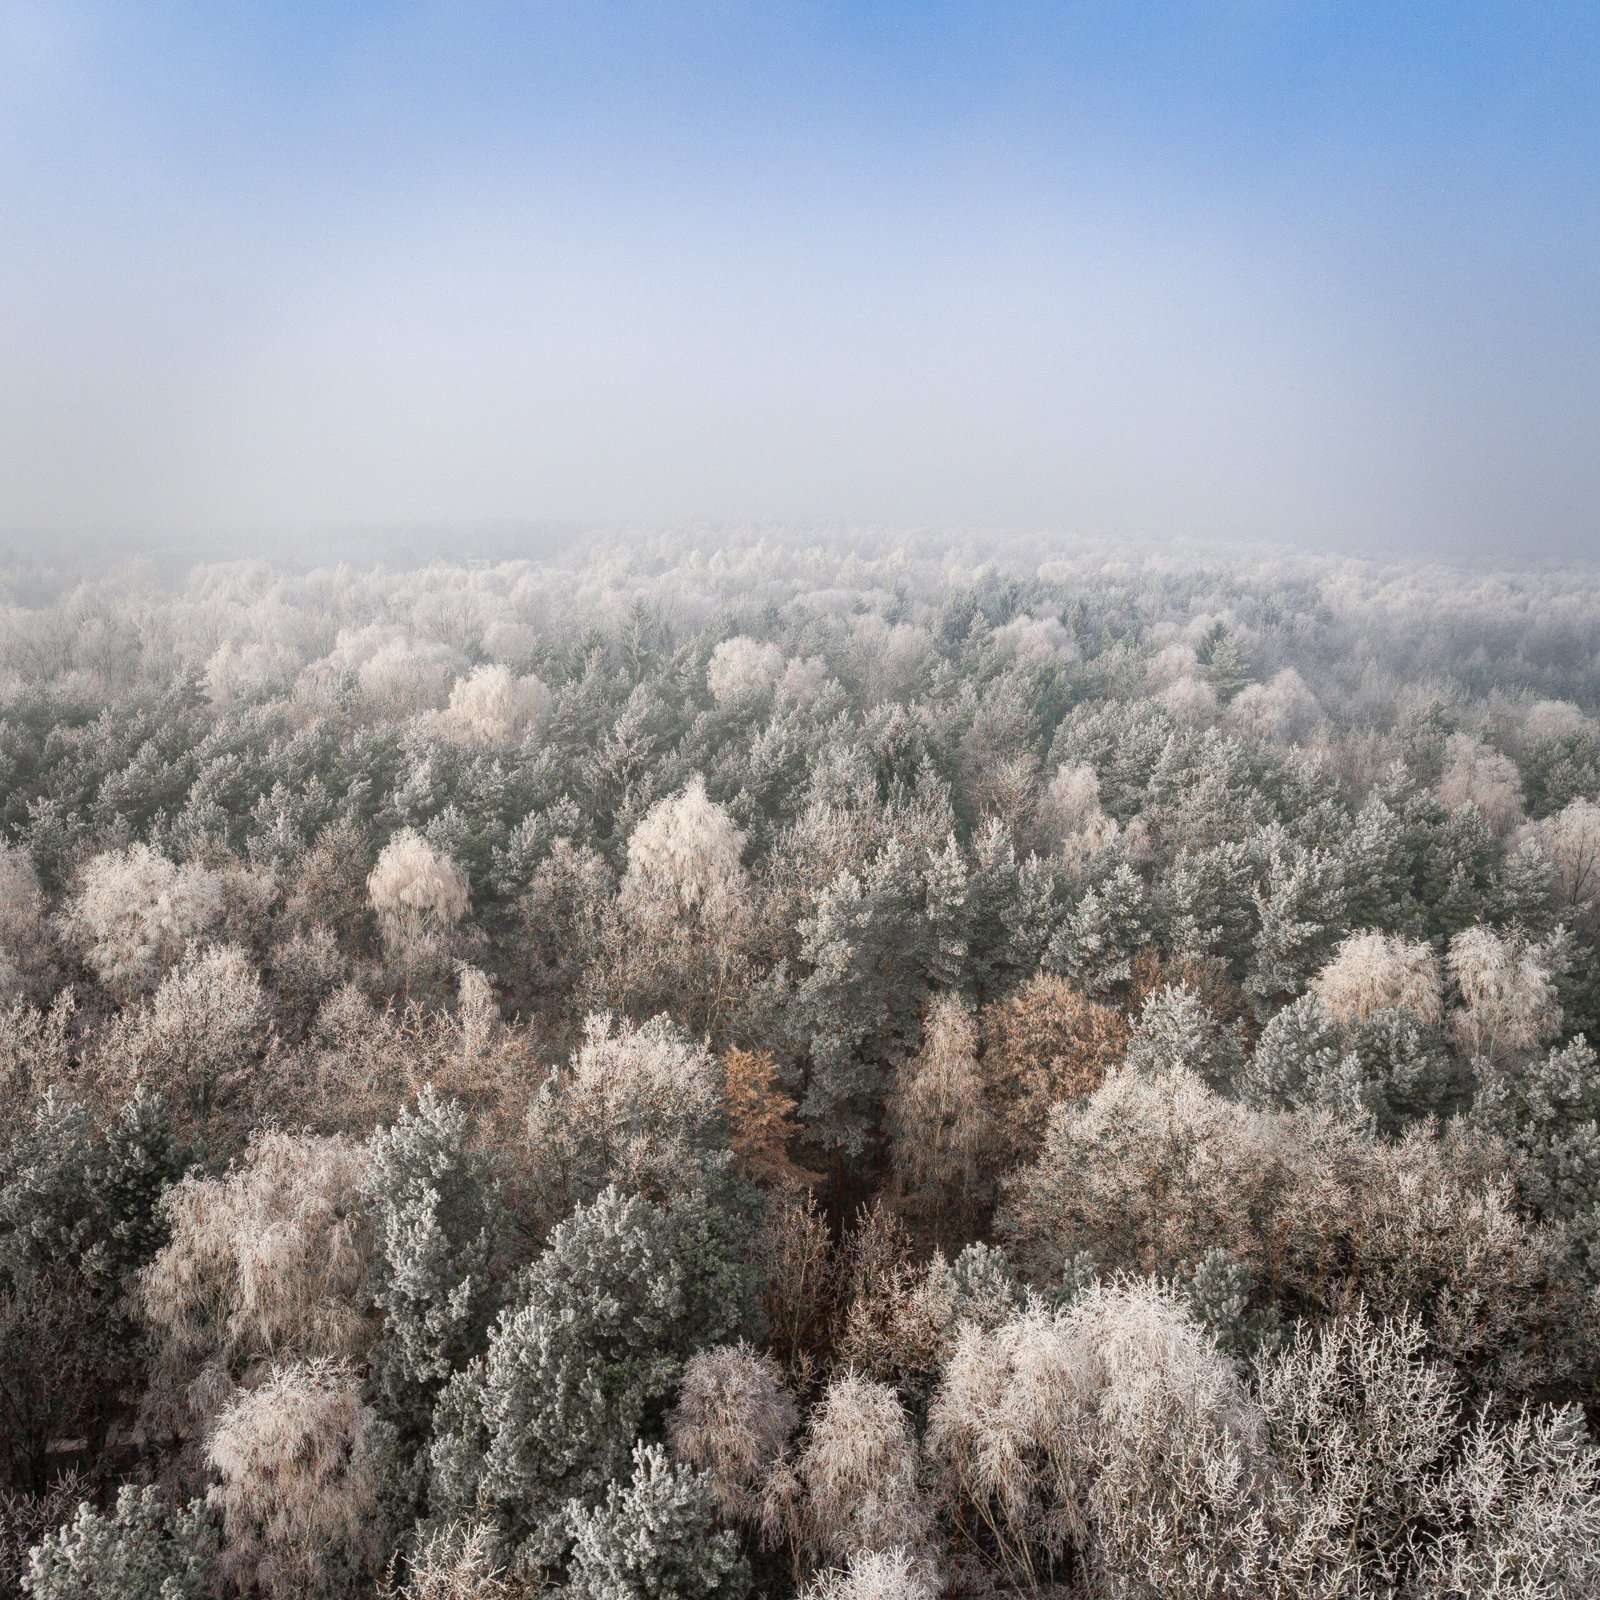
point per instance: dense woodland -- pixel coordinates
(852, 1069)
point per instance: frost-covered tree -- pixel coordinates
(1096, 944)
(436, 1221)
(732, 1421)
(138, 1163)
(1150, 1173)
(686, 904)
(269, 1262)
(578, 1366)
(1045, 1043)
(1477, 776)
(936, 1118)
(491, 704)
(1069, 816)
(875, 1575)
(135, 912)
(1299, 1060)
(1508, 994)
(143, 1550)
(1221, 1297)
(1301, 908)
(196, 1039)
(684, 859)
(855, 1485)
(1282, 711)
(742, 668)
(1383, 1491)
(457, 1563)
(1570, 839)
(1175, 1031)
(1547, 1109)
(1372, 971)
(296, 1491)
(418, 893)
(1067, 1441)
(640, 1107)
(656, 1538)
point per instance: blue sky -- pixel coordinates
(1326, 273)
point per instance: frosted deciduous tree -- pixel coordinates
(742, 668)
(1087, 1438)
(296, 1490)
(194, 1040)
(1508, 995)
(457, 1562)
(418, 893)
(1189, 701)
(1571, 841)
(1382, 1493)
(400, 677)
(1282, 711)
(1477, 776)
(268, 1262)
(491, 704)
(732, 1421)
(684, 859)
(855, 1487)
(1037, 641)
(135, 912)
(1069, 814)
(935, 1112)
(1372, 971)
(876, 1575)
(1046, 1043)
(639, 1106)
(686, 903)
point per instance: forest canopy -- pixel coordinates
(855, 1069)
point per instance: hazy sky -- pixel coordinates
(1329, 272)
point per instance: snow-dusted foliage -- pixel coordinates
(655, 1537)
(144, 1550)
